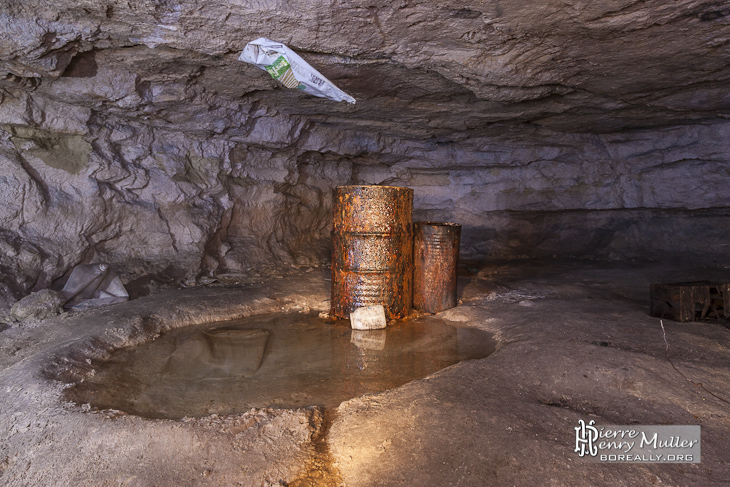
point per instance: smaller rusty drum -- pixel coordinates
(435, 258)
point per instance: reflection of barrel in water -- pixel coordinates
(430, 346)
(413, 349)
(222, 352)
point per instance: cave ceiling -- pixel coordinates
(418, 69)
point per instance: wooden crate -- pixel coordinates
(679, 302)
(720, 298)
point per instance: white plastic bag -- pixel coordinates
(91, 285)
(292, 71)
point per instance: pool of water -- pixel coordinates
(275, 360)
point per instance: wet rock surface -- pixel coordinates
(575, 342)
(48, 441)
(131, 134)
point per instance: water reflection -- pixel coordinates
(369, 339)
(278, 360)
(224, 352)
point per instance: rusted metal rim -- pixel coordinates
(373, 186)
(438, 224)
(372, 234)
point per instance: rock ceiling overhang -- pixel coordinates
(418, 69)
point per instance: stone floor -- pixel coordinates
(575, 342)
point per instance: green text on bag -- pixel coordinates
(278, 67)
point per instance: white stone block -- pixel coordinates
(368, 318)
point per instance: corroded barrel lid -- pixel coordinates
(428, 227)
(372, 209)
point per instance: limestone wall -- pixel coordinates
(80, 186)
(131, 134)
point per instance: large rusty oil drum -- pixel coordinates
(435, 259)
(372, 249)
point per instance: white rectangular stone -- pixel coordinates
(368, 318)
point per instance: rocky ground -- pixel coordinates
(575, 342)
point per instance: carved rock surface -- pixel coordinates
(130, 133)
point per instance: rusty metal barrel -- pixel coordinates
(372, 249)
(435, 259)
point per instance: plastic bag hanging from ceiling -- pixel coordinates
(287, 67)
